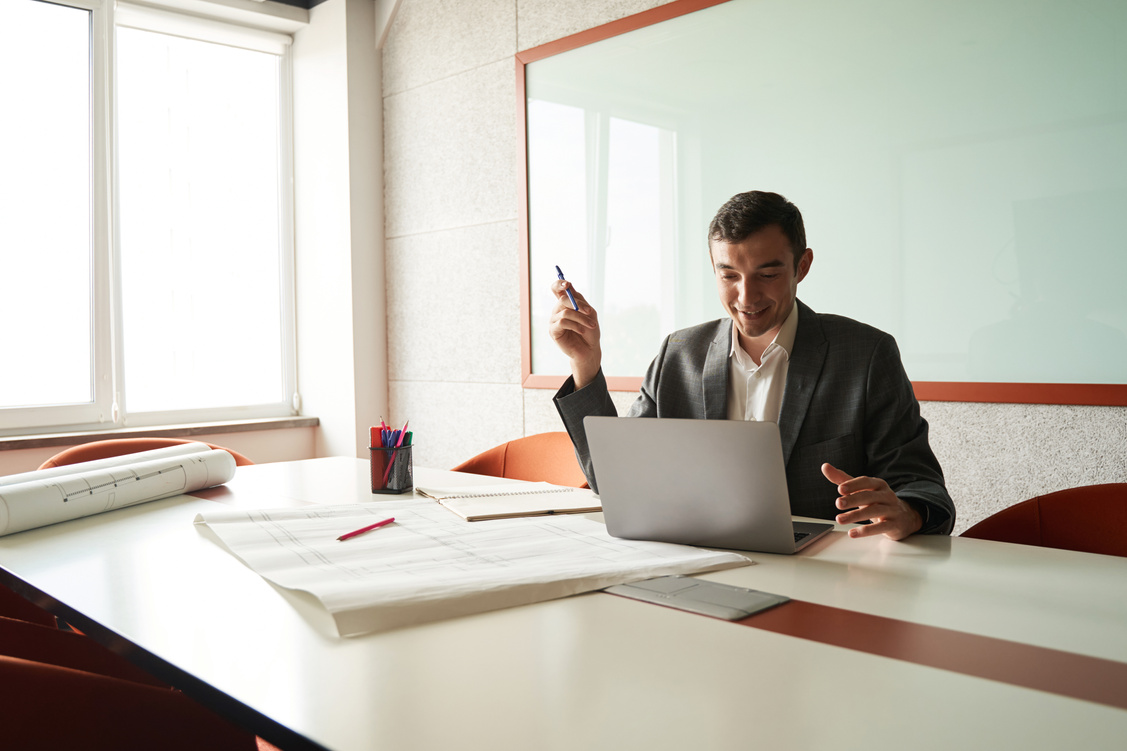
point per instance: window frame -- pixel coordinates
(108, 408)
(21, 419)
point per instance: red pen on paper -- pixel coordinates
(369, 528)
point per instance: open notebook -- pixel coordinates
(479, 502)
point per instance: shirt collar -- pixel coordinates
(783, 340)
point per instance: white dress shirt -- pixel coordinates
(755, 392)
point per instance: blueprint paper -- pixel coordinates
(431, 565)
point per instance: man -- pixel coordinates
(855, 445)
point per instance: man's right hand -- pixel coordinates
(576, 333)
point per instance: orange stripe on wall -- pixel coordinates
(1098, 394)
(615, 28)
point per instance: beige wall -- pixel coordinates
(338, 225)
(453, 267)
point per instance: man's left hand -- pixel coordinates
(870, 499)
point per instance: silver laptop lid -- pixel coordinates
(712, 483)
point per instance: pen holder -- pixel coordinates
(392, 471)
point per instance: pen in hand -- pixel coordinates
(569, 295)
(369, 528)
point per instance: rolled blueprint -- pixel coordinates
(36, 499)
(179, 449)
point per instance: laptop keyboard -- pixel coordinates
(800, 536)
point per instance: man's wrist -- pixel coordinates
(584, 375)
(921, 510)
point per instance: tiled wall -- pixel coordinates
(453, 267)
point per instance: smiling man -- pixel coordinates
(855, 445)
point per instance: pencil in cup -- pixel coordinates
(392, 470)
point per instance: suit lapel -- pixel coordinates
(714, 380)
(805, 366)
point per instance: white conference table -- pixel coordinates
(597, 671)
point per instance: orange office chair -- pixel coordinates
(62, 690)
(88, 452)
(1088, 519)
(544, 457)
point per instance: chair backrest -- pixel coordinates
(88, 452)
(1089, 519)
(544, 457)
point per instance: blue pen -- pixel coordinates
(569, 295)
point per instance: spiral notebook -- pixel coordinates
(480, 502)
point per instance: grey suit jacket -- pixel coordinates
(847, 401)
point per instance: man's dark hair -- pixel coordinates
(746, 213)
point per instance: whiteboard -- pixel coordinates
(961, 168)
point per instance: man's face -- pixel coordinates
(757, 282)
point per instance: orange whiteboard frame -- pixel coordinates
(1102, 394)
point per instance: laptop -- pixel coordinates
(709, 483)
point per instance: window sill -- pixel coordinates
(47, 440)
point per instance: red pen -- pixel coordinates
(369, 528)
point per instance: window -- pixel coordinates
(46, 238)
(145, 238)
